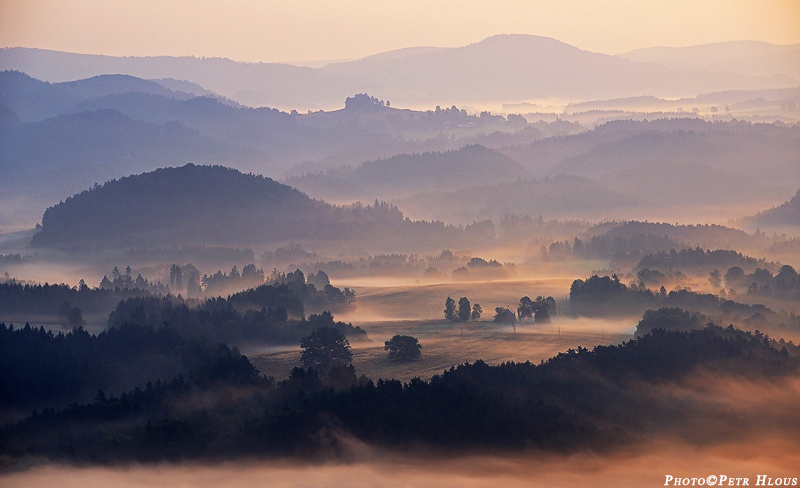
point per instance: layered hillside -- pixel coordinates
(214, 205)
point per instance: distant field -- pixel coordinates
(385, 308)
(377, 302)
(443, 345)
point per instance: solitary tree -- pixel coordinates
(324, 348)
(402, 347)
(476, 312)
(464, 309)
(450, 309)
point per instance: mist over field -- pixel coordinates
(513, 261)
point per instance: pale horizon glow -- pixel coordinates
(313, 30)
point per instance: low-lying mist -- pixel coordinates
(633, 467)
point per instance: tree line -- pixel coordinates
(539, 310)
(579, 399)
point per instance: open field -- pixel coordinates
(443, 345)
(385, 309)
(415, 301)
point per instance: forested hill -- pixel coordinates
(785, 215)
(214, 205)
(407, 174)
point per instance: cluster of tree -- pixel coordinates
(316, 291)
(674, 318)
(504, 315)
(362, 101)
(265, 314)
(481, 269)
(670, 318)
(539, 309)
(670, 278)
(60, 303)
(608, 296)
(649, 244)
(464, 312)
(126, 281)
(761, 282)
(700, 260)
(440, 266)
(221, 283)
(558, 405)
(43, 369)
(606, 246)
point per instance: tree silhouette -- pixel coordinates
(325, 348)
(525, 309)
(402, 347)
(504, 315)
(450, 310)
(75, 318)
(464, 309)
(538, 309)
(476, 312)
(543, 308)
(734, 276)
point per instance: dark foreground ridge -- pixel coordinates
(581, 399)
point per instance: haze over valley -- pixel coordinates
(516, 260)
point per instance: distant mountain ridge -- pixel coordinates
(755, 57)
(562, 197)
(503, 68)
(34, 100)
(413, 173)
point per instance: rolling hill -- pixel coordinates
(785, 216)
(745, 57)
(34, 100)
(406, 174)
(562, 197)
(214, 205)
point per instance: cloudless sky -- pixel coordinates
(308, 30)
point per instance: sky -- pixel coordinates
(310, 30)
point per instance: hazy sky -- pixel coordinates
(307, 30)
